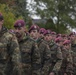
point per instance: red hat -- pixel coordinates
(53, 33)
(72, 33)
(59, 39)
(1, 17)
(19, 23)
(34, 27)
(59, 35)
(42, 30)
(47, 32)
(66, 42)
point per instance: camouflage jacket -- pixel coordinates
(30, 56)
(9, 54)
(73, 46)
(56, 56)
(67, 63)
(45, 57)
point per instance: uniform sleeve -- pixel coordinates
(69, 67)
(15, 56)
(46, 60)
(59, 60)
(36, 60)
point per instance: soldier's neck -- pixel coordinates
(0, 27)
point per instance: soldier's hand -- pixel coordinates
(65, 73)
(52, 73)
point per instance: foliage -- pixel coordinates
(9, 17)
(18, 6)
(63, 11)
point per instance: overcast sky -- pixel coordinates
(31, 10)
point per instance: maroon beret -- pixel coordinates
(66, 42)
(34, 27)
(47, 32)
(59, 39)
(53, 33)
(19, 23)
(59, 35)
(42, 30)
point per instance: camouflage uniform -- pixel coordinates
(31, 62)
(9, 54)
(56, 56)
(67, 63)
(73, 46)
(45, 57)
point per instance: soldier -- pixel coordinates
(41, 32)
(34, 32)
(43, 49)
(67, 63)
(53, 35)
(73, 46)
(45, 55)
(59, 41)
(65, 37)
(31, 62)
(9, 52)
(56, 54)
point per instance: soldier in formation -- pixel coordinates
(36, 52)
(9, 52)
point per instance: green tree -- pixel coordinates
(19, 7)
(63, 10)
(9, 17)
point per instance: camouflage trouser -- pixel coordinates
(2, 69)
(74, 70)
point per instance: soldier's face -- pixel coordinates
(60, 43)
(48, 37)
(34, 34)
(41, 35)
(67, 46)
(1, 22)
(73, 37)
(19, 31)
(54, 36)
(65, 38)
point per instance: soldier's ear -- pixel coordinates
(2, 20)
